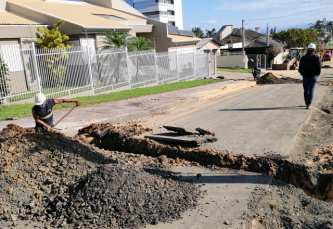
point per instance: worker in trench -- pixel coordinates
(43, 111)
(256, 71)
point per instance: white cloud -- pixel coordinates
(211, 22)
(272, 6)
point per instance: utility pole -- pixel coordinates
(267, 36)
(243, 37)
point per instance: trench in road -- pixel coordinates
(314, 183)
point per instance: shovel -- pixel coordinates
(63, 118)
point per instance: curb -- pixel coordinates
(187, 97)
(233, 86)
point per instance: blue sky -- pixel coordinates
(283, 14)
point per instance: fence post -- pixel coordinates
(90, 71)
(156, 67)
(194, 65)
(208, 64)
(128, 70)
(34, 62)
(177, 69)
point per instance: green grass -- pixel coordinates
(241, 70)
(24, 110)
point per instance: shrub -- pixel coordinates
(4, 87)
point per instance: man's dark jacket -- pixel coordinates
(310, 65)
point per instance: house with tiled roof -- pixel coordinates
(236, 37)
(86, 22)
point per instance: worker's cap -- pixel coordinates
(312, 46)
(40, 99)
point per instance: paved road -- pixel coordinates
(257, 120)
(254, 120)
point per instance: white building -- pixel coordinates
(166, 11)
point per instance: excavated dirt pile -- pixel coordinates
(269, 78)
(60, 182)
(317, 184)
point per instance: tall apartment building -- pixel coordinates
(166, 11)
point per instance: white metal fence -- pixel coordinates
(68, 71)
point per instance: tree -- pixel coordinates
(56, 42)
(198, 32)
(273, 51)
(271, 31)
(210, 33)
(296, 37)
(4, 87)
(138, 44)
(115, 40)
(319, 27)
(329, 26)
(119, 40)
(52, 38)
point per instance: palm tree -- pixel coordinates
(115, 40)
(319, 26)
(198, 32)
(210, 33)
(329, 26)
(138, 44)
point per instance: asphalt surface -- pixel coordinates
(255, 121)
(125, 110)
(246, 118)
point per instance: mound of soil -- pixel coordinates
(120, 197)
(284, 206)
(61, 182)
(269, 78)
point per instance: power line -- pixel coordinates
(289, 14)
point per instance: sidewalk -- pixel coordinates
(125, 110)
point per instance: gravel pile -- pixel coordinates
(61, 182)
(120, 197)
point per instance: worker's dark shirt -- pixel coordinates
(45, 113)
(310, 65)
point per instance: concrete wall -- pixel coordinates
(227, 30)
(179, 14)
(17, 31)
(3, 4)
(231, 61)
(118, 5)
(160, 34)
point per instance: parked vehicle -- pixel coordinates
(328, 55)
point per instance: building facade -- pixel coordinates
(166, 11)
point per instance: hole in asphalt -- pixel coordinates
(315, 183)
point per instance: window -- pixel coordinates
(171, 12)
(155, 13)
(144, 4)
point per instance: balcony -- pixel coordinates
(171, 18)
(155, 7)
(159, 17)
(171, 7)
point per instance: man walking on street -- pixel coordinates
(43, 111)
(310, 69)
